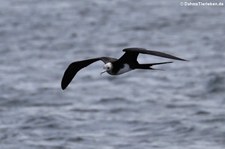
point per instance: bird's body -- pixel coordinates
(123, 69)
(113, 66)
(119, 69)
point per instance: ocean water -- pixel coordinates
(182, 106)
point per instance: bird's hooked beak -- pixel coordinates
(106, 67)
(103, 72)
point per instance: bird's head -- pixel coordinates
(107, 67)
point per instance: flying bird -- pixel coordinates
(127, 62)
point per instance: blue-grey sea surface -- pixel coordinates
(179, 107)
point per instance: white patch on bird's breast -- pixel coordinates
(125, 69)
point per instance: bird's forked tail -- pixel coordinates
(149, 66)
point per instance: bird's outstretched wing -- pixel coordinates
(131, 54)
(74, 67)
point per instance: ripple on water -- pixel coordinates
(216, 83)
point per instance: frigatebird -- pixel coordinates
(127, 62)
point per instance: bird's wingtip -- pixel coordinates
(63, 86)
(184, 60)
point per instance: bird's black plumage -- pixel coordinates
(128, 58)
(74, 67)
(132, 53)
